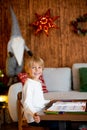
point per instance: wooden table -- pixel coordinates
(69, 118)
(64, 116)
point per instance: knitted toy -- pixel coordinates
(15, 51)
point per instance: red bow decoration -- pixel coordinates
(44, 22)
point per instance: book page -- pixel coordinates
(68, 107)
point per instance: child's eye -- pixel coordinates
(39, 67)
(36, 67)
(33, 67)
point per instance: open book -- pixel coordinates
(61, 106)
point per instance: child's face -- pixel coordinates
(36, 71)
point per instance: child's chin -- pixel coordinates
(37, 76)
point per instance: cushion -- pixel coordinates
(23, 77)
(75, 74)
(70, 95)
(83, 79)
(57, 79)
(12, 100)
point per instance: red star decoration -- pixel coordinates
(44, 22)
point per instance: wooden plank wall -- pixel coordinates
(62, 47)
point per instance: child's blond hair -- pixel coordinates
(29, 61)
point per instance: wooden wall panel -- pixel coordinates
(62, 47)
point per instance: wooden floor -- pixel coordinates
(14, 126)
(11, 126)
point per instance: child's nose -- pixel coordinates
(36, 69)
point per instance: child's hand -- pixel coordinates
(36, 118)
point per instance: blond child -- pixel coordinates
(32, 95)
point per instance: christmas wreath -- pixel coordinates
(77, 24)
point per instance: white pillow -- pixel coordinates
(12, 100)
(57, 79)
(75, 75)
